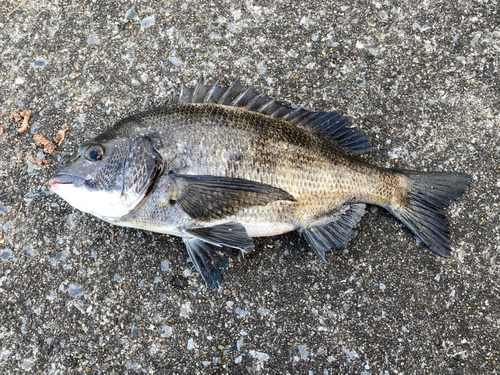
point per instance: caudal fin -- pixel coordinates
(429, 193)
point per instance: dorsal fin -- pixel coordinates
(330, 125)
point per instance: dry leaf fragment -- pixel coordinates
(23, 116)
(59, 138)
(16, 115)
(48, 146)
(40, 161)
(27, 115)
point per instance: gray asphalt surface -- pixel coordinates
(78, 295)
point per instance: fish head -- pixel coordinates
(108, 178)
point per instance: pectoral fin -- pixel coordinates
(206, 249)
(210, 197)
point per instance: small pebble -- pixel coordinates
(164, 265)
(75, 291)
(259, 356)
(4, 255)
(166, 331)
(241, 312)
(148, 22)
(134, 331)
(174, 61)
(92, 39)
(59, 256)
(303, 352)
(130, 14)
(39, 63)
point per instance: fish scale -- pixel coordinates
(224, 164)
(248, 138)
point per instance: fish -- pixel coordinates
(220, 165)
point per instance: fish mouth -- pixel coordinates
(65, 179)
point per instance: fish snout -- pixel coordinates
(64, 179)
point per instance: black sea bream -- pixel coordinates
(225, 164)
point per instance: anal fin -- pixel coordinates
(335, 234)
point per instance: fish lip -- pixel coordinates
(65, 179)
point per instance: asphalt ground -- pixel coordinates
(77, 295)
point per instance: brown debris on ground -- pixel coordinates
(41, 162)
(16, 115)
(59, 138)
(23, 117)
(48, 146)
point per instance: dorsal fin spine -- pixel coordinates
(185, 95)
(290, 114)
(251, 102)
(228, 91)
(210, 93)
(330, 125)
(239, 97)
(196, 90)
(265, 105)
(275, 114)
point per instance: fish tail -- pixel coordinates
(428, 193)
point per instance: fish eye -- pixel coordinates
(94, 152)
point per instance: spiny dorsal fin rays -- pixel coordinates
(200, 91)
(232, 93)
(241, 98)
(211, 92)
(219, 91)
(265, 105)
(330, 125)
(185, 95)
